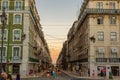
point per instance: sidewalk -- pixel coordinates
(31, 76)
(76, 75)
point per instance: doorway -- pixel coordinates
(115, 70)
(16, 69)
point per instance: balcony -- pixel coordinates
(3, 59)
(110, 60)
(82, 60)
(16, 59)
(114, 60)
(103, 11)
(101, 59)
(96, 11)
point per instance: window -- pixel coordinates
(112, 20)
(100, 20)
(4, 52)
(100, 36)
(112, 5)
(16, 52)
(16, 35)
(113, 36)
(18, 5)
(5, 4)
(99, 5)
(101, 52)
(4, 35)
(17, 19)
(114, 51)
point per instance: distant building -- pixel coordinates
(24, 43)
(94, 40)
(61, 61)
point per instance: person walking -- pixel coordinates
(9, 77)
(17, 77)
(3, 76)
(54, 74)
(48, 73)
(77, 68)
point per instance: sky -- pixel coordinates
(56, 18)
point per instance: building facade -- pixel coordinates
(95, 39)
(24, 42)
(61, 61)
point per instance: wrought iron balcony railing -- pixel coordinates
(101, 59)
(110, 60)
(16, 59)
(103, 11)
(96, 11)
(114, 60)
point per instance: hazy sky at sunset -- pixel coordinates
(56, 17)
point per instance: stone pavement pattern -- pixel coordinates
(63, 76)
(77, 77)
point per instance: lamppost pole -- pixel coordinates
(3, 21)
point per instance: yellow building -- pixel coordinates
(96, 38)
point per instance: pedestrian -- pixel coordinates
(17, 77)
(54, 74)
(9, 77)
(48, 73)
(77, 68)
(30, 71)
(104, 71)
(3, 76)
(93, 74)
(80, 72)
(88, 72)
(51, 72)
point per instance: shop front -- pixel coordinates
(101, 70)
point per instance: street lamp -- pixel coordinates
(3, 21)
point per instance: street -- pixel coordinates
(60, 76)
(60, 39)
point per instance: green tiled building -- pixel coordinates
(23, 37)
